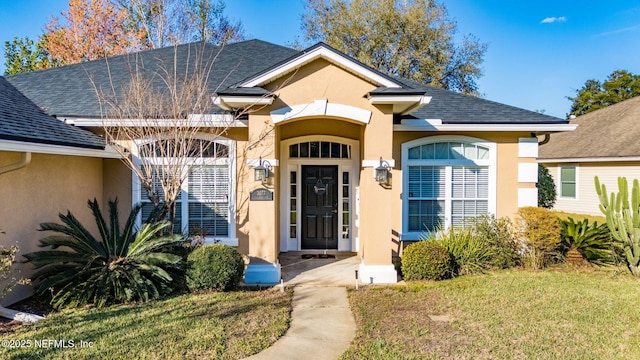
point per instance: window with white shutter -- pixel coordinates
(205, 203)
(447, 181)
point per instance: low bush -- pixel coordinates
(582, 241)
(214, 267)
(539, 232)
(500, 237)
(471, 253)
(426, 260)
(123, 264)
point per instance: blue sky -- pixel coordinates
(539, 52)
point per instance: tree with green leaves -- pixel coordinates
(413, 39)
(24, 55)
(546, 188)
(620, 85)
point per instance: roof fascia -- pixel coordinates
(590, 159)
(205, 120)
(402, 104)
(436, 125)
(231, 102)
(20, 146)
(320, 51)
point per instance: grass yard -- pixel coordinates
(196, 326)
(504, 315)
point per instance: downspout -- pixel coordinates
(546, 139)
(25, 159)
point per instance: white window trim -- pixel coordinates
(136, 195)
(559, 182)
(491, 163)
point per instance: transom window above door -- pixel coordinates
(320, 150)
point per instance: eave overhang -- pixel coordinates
(232, 102)
(402, 104)
(437, 125)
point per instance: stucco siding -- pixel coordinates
(586, 201)
(37, 193)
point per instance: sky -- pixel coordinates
(539, 52)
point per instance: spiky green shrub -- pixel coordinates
(539, 232)
(426, 260)
(546, 188)
(214, 267)
(500, 236)
(471, 253)
(592, 241)
(123, 265)
(623, 219)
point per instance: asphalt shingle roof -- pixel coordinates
(68, 90)
(608, 132)
(22, 120)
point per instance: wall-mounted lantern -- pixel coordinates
(261, 172)
(382, 172)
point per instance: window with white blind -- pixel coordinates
(205, 203)
(448, 180)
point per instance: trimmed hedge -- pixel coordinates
(426, 260)
(214, 267)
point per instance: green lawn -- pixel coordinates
(196, 326)
(503, 315)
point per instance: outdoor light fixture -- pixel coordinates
(382, 172)
(261, 172)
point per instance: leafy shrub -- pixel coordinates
(470, 253)
(546, 188)
(214, 267)
(124, 265)
(7, 259)
(591, 241)
(539, 232)
(428, 260)
(500, 237)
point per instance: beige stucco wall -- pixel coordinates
(320, 80)
(586, 201)
(49, 185)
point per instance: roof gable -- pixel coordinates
(320, 51)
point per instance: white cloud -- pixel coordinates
(553, 19)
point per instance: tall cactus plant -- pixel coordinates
(623, 219)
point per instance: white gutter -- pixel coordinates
(25, 159)
(590, 159)
(430, 125)
(19, 315)
(11, 145)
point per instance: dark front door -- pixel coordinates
(320, 207)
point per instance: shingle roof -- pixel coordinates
(22, 120)
(612, 131)
(68, 90)
(456, 108)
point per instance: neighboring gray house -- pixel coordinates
(605, 144)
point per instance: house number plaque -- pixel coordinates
(261, 195)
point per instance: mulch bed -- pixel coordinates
(34, 305)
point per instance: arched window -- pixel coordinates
(447, 181)
(204, 205)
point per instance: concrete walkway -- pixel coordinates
(322, 326)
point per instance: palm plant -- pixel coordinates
(584, 241)
(125, 264)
